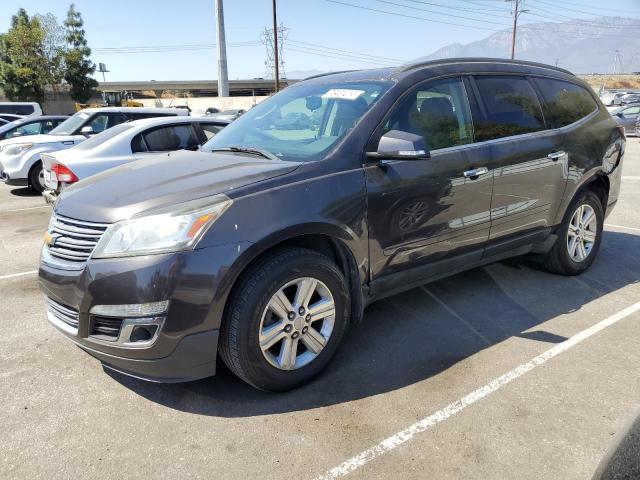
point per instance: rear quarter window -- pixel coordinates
(564, 103)
(510, 107)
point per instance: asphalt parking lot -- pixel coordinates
(500, 372)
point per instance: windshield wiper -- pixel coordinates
(250, 150)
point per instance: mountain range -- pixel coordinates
(581, 46)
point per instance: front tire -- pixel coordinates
(579, 236)
(285, 319)
(36, 178)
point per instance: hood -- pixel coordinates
(42, 139)
(163, 180)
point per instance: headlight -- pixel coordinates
(167, 230)
(16, 148)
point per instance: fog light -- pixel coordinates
(131, 310)
(143, 333)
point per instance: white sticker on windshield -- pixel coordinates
(343, 93)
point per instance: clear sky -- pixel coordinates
(178, 36)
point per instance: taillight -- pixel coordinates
(63, 173)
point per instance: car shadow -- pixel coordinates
(24, 192)
(418, 334)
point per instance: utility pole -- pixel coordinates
(275, 47)
(517, 11)
(223, 75)
(513, 33)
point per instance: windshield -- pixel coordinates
(301, 122)
(103, 136)
(70, 125)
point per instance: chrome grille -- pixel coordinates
(63, 316)
(74, 240)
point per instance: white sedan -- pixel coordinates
(122, 144)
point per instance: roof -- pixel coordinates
(135, 109)
(146, 122)
(396, 72)
(446, 61)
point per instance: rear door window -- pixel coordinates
(509, 107)
(631, 112)
(563, 102)
(166, 139)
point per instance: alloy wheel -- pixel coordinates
(297, 323)
(582, 233)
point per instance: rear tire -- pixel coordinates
(579, 236)
(36, 177)
(285, 319)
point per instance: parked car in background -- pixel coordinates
(21, 108)
(630, 98)
(264, 245)
(10, 118)
(122, 144)
(607, 97)
(20, 162)
(293, 121)
(627, 116)
(211, 110)
(617, 96)
(227, 115)
(31, 126)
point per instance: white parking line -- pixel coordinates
(631, 177)
(408, 433)
(26, 208)
(22, 274)
(622, 226)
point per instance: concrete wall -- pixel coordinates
(58, 107)
(198, 105)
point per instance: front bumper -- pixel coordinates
(9, 180)
(186, 346)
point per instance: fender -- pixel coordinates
(341, 238)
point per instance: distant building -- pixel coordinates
(192, 88)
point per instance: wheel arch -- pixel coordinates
(329, 240)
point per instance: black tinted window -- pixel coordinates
(175, 137)
(511, 107)
(17, 109)
(141, 115)
(439, 112)
(564, 102)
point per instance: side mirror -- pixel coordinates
(88, 130)
(398, 145)
(17, 134)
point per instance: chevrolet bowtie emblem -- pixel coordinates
(49, 239)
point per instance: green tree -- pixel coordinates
(78, 66)
(23, 70)
(53, 49)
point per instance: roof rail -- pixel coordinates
(442, 61)
(329, 73)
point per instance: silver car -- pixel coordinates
(122, 144)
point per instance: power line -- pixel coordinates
(483, 11)
(564, 7)
(376, 57)
(413, 17)
(440, 13)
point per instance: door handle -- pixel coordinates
(476, 172)
(556, 155)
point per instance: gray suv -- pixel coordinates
(267, 243)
